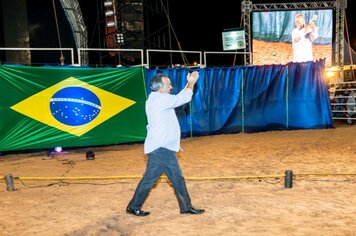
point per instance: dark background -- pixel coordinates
(198, 24)
(195, 25)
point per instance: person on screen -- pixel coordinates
(303, 36)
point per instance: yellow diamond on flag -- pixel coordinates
(73, 106)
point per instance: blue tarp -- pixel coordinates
(253, 98)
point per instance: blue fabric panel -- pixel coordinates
(265, 98)
(309, 105)
(215, 105)
(252, 98)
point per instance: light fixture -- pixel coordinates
(108, 3)
(110, 24)
(120, 38)
(109, 13)
(57, 151)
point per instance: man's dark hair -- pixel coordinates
(157, 82)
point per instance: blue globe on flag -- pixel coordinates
(75, 106)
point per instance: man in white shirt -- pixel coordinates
(302, 38)
(163, 142)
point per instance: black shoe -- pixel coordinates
(137, 212)
(193, 211)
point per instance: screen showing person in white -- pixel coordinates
(163, 142)
(303, 36)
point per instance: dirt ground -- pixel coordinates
(265, 53)
(252, 200)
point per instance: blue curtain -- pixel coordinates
(252, 98)
(309, 102)
(265, 98)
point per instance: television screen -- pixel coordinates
(233, 39)
(280, 37)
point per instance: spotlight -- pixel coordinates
(108, 3)
(120, 38)
(110, 24)
(90, 155)
(109, 13)
(57, 151)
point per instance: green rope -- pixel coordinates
(287, 98)
(143, 80)
(242, 103)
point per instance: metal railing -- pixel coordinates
(43, 49)
(224, 53)
(80, 50)
(183, 58)
(343, 100)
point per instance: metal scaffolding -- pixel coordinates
(75, 19)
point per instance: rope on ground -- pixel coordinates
(325, 174)
(198, 178)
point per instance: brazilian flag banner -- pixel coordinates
(46, 107)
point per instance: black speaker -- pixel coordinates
(90, 155)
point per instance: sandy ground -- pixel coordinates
(322, 204)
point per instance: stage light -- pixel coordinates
(109, 13)
(108, 3)
(110, 24)
(330, 74)
(120, 38)
(57, 151)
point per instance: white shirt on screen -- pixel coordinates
(302, 48)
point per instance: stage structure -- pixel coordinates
(34, 32)
(74, 15)
(338, 6)
(129, 24)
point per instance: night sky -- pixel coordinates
(196, 28)
(200, 29)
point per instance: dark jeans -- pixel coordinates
(159, 161)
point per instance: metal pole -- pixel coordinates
(9, 183)
(169, 33)
(288, 179)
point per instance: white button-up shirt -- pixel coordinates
(163, 128)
